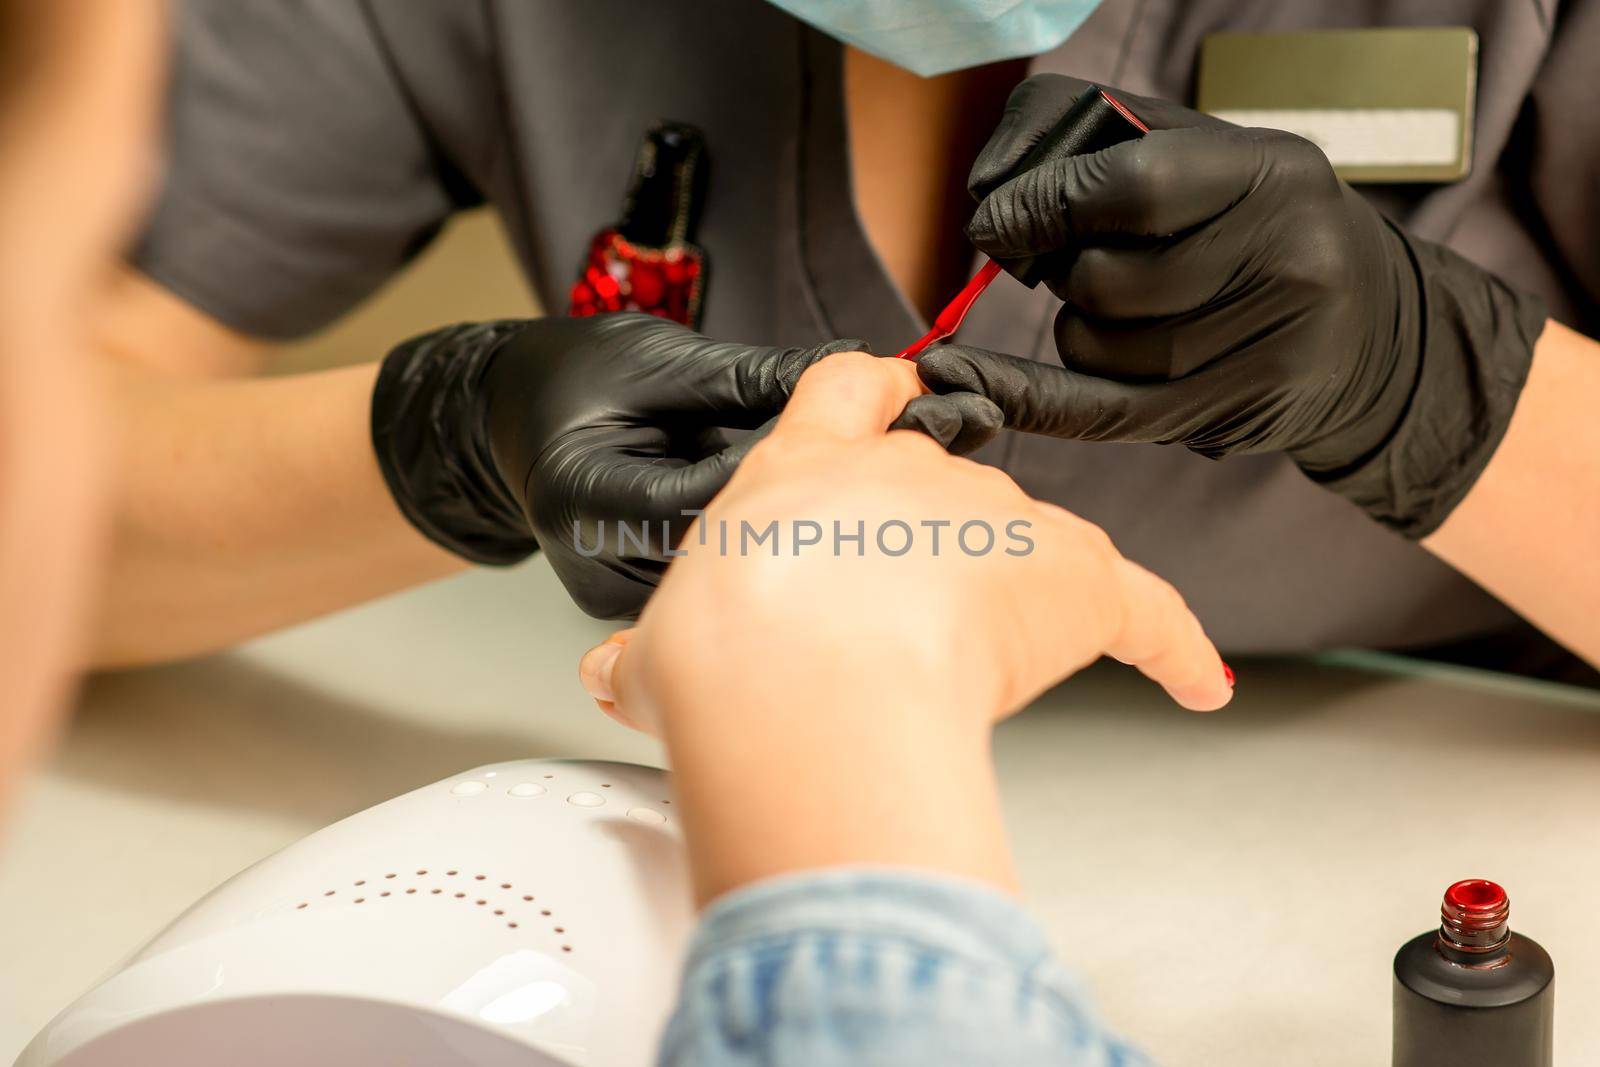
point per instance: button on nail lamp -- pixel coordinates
(529, 913)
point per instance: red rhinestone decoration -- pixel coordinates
(619, 275)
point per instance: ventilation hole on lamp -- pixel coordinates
(605, 785)
(480, 903)
(384, 893)
(361, 900)
(422, 872)
(546, 911)
(561, 929)
(389, 875)
(499, 911)
(527, 898)
(566, 948)
(436, 892)
(410, 891)
(330, 892)
(361, 881)
(549, 776)
(478, 877)
(460, 895)
(512, 925)
(452, 874)
(505, 885)
(300, 905)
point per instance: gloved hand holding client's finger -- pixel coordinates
(594, 439)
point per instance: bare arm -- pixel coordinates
(243, 504)
(76, 123)
(1529, 531)
(52, 496)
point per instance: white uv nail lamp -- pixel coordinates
(524, 913)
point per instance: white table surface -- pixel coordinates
(1233, 886)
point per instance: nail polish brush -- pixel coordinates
(1095, 121)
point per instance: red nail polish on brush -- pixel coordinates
(1472, 993)
(1096, 120)
(1227, 672)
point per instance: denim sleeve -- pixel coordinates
(873, 968)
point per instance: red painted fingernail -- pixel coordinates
(1227, 672)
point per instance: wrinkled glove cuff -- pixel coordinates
(429, 430)
(1477, 338)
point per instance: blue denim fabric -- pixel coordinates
(872, 968)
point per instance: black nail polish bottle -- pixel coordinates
(1472, 993)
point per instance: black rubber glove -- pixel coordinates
(589, 437)
(1225, 290)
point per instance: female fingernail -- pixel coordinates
(594, 670)
(1227, 673)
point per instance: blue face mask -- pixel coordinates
(935, 36)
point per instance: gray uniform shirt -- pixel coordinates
(318, 144)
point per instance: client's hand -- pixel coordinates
(898, 602)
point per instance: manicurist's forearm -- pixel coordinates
(1529, 530)
(246, 505)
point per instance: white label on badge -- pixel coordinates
(1367, 137)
